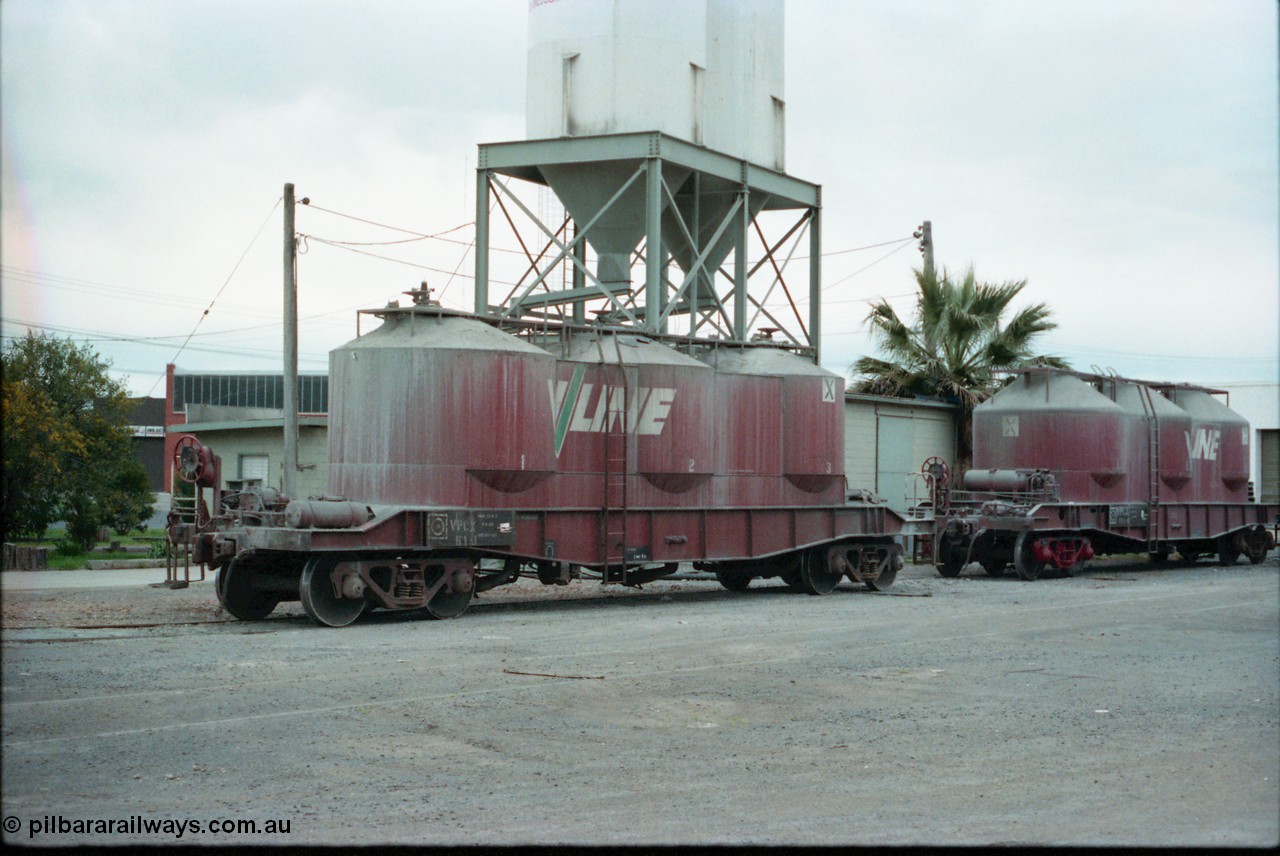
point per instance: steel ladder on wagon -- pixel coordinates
(1153, 456)
(613, 517)
(185, 512)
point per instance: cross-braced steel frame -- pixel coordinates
(686, 198)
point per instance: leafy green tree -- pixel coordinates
(33, 444)
(67, 449)
(955, 346)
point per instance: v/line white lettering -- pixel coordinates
(596, 410)
(1203, 446)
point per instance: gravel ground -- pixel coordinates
(1129, 705)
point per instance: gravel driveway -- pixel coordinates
(1130, 705)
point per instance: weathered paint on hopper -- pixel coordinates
(438, 409)
(782, 416)
(1114, 431)
(1217, 443)
(668, 401)
(1055, 418)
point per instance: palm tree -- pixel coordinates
(955, 346)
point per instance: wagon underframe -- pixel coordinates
(436, 558)
(1064, 535)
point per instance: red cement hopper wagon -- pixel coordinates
(464, 453)
(1067, 466)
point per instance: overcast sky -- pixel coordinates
(1121, 156)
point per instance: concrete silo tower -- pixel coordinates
(659, 125)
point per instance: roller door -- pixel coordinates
(1269, 465)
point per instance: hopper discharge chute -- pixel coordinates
(709, 213)
(614, 222)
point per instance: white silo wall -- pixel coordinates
(745, 103)
(705, 71)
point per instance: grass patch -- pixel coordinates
(77, 563)
(64, 556)
(52, 537)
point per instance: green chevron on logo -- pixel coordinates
(563, 408)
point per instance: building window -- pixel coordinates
(264, 391)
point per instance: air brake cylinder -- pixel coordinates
(1009, 481)
(325, 514)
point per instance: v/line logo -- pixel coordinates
(1204, 444)
(581, 407)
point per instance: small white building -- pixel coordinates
(250, 443)
(1268, 483)
(1260, 404)
(887, 441)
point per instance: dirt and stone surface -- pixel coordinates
(1132, 704)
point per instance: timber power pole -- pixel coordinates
(925, 234)
(289, 483)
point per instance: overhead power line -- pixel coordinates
(901, 244)
(95, 336)
(417, 236)
(225, 283)
(22, 276)
(857, 249)
(449, 273)
(315, 207)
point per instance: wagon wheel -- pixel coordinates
(816, 576)
(218, 579)
(733, 580)
(321, 603)
(1024, 564)
(952, 564)
(1259, 544)
(445, 603)
(1228, 552)
(789, 573)
(885, 581)
(952, 559)
(1159, 555)
(238, 596)
(994, 567)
